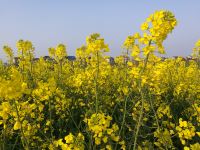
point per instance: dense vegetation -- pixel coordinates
(139, 102)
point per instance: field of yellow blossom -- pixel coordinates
(139, 101)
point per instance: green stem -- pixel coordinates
(157, 121)
(24, 141)
(126, 97)
(50, 118)
(139, 121)
(96, 83)
(142, 98)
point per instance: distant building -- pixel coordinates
(126, 59)
(135, 62)
(48, 58)
(163, 58)
(111, 60)
(5, 64)
(175, 57)
(35, 59)
(71, 58)
(16, 61)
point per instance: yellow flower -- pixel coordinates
(17, 125)
(186, 148)
(97, 141)
(183, 123)
(48, 123)
(183, 142)
(69, 138)
(144, 26)
(108, 147)
(195, 146)
(105, 139)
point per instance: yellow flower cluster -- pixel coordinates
(196, 50)
(155, 30)
(95, 44)
(81, 52)
(24, 46)
(135, 113)
(15, 86)
(72, 142)
(163, 139)
(159, 24)
(9, 52)
(186, 131)
(100, 126)
(164, 110)
(136, 101)
(25, 49)
(59, 52)
(192, 147)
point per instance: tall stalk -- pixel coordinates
(24, 140)
(50, 118)
(125, 97)
(96, 83)
(142, 98)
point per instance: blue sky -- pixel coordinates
(49, 22)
